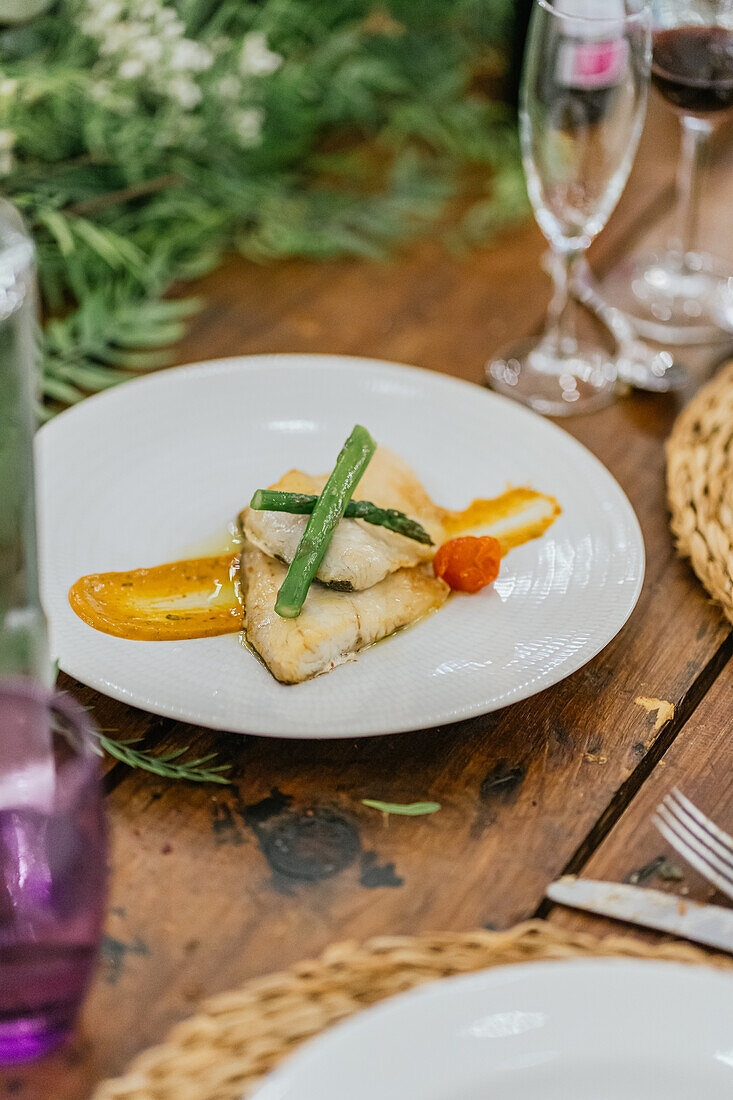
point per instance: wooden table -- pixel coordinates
(211, 886)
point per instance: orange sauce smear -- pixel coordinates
(201, 597)
(491, 511)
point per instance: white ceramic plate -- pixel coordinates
(138, 475)
(595, 1030)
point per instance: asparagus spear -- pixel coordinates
(353, 460)
(302, 504)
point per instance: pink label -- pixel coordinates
(591, 64)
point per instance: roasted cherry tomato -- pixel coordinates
(468, 564)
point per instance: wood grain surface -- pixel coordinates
(698, 762)
(210, 886)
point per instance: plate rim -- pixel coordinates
(273, 1086)
(458, 711)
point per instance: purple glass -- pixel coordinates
(53, 845)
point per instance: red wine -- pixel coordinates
(692, 67)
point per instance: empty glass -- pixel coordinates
(681, 293)
(23, 650)
(52, 867)
(583, 99)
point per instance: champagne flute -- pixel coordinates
(681, 293)
(583, 100)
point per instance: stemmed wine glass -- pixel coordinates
(682, 294)
(582, 105)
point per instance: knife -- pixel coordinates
(708, 924)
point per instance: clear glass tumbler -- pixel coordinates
(23, 650)
(53, 846)
(582, 106)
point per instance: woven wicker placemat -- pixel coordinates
(221, 1053)
(700, 486)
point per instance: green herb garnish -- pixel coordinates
(406, 809)
(167, 765)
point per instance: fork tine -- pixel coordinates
(680, 827)
(685, 818)
(681, 844)
(693, 859)
(725, 839)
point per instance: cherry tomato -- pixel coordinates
(468, 564)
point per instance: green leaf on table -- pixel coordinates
(406, 809)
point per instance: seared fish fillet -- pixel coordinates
(332, 626)
(360, 554)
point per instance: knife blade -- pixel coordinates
(708, 924)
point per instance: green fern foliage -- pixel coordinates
(144, 139)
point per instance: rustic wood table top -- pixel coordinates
(211, 886)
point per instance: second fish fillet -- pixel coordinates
(333, 626)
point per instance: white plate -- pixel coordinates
(596, 1030)
(138, 475)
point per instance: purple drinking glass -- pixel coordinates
(53, 846)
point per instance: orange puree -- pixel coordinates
(201, 598)
(497, 510)
(185, 599)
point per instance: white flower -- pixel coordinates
(248, 124)
(256, 59)
(8, 87)
(132, 68)
(101, 14)
(120, 36)
(185, 91)
(189, 56)
(7, 140)
(145, 41)
(109, 11)
(172, 30)
(148, 49)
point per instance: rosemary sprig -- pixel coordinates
(168, 765)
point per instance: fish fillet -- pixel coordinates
(333, 626)
(360, 554)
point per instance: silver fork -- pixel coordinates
(697, 839)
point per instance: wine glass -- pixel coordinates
(682, 294)
(582, 106)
